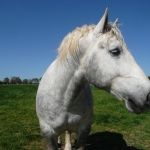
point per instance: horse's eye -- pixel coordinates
(115, 52)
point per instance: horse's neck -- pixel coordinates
(66, 78)
(74, 77)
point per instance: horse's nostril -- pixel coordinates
(148, 98)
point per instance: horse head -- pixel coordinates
(110, 66)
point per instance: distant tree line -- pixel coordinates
(17, 80)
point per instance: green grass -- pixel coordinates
(116, 128)
(113, 128)
(19, 129)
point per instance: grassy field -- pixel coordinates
(114, 128)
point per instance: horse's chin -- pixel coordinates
(131, 106)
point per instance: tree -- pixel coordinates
(25, 81)
(30, 81)
(149, 77)
(35, 80)
(6, 80)
(15, 80)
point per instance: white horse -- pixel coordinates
(90, 54)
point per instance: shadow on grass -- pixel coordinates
(108, 141)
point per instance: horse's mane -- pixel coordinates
(70, 42)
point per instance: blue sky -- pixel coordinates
(32, 30)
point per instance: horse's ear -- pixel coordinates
(116, 23)
(100, 27)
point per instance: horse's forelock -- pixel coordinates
(112, 30)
